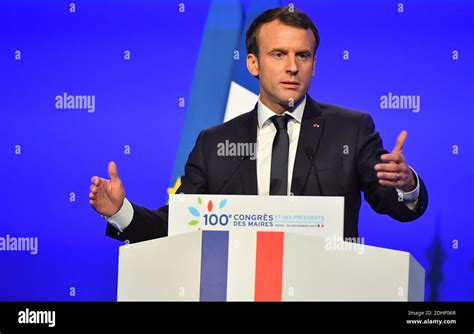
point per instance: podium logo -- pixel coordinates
(210, 217)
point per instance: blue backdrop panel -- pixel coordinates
(139, 65)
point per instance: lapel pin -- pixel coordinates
(315, 125)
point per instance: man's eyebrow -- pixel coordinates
(278, 50)
(305, 51)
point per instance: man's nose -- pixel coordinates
(291, 65)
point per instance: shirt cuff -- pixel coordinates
(410, 198)
(123, 217)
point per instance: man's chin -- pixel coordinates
(290, 99)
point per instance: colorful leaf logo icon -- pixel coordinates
(194, 212)
(222, 203)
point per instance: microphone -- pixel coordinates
(232, 173)
(310, 155)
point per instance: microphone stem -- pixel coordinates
(316, 175)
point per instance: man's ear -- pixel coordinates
(252, 64)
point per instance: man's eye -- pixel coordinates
(278, 54)
(303, 56)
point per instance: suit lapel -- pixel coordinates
(247, 133)
(312, 127)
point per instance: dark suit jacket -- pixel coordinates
(346, 147)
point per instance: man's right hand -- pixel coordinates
(106, 196)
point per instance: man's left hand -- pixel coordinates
(395, 171)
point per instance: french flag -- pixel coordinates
(222, 87)
(224, 276)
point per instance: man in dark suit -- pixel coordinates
(303, 147)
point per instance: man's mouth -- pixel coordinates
(290, 84)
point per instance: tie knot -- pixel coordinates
(280, 122)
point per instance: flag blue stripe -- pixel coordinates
(214, 263)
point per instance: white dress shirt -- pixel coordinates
(266, 131)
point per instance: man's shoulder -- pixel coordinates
(326, 110)
(234, 124)
(334, 111)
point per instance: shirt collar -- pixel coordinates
(265, 113)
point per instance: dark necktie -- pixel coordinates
(280, 149)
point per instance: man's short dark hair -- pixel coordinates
(287, 15)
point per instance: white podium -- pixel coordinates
(265, 266)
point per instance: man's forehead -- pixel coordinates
(275, 32)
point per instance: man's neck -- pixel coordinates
(281, 108)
